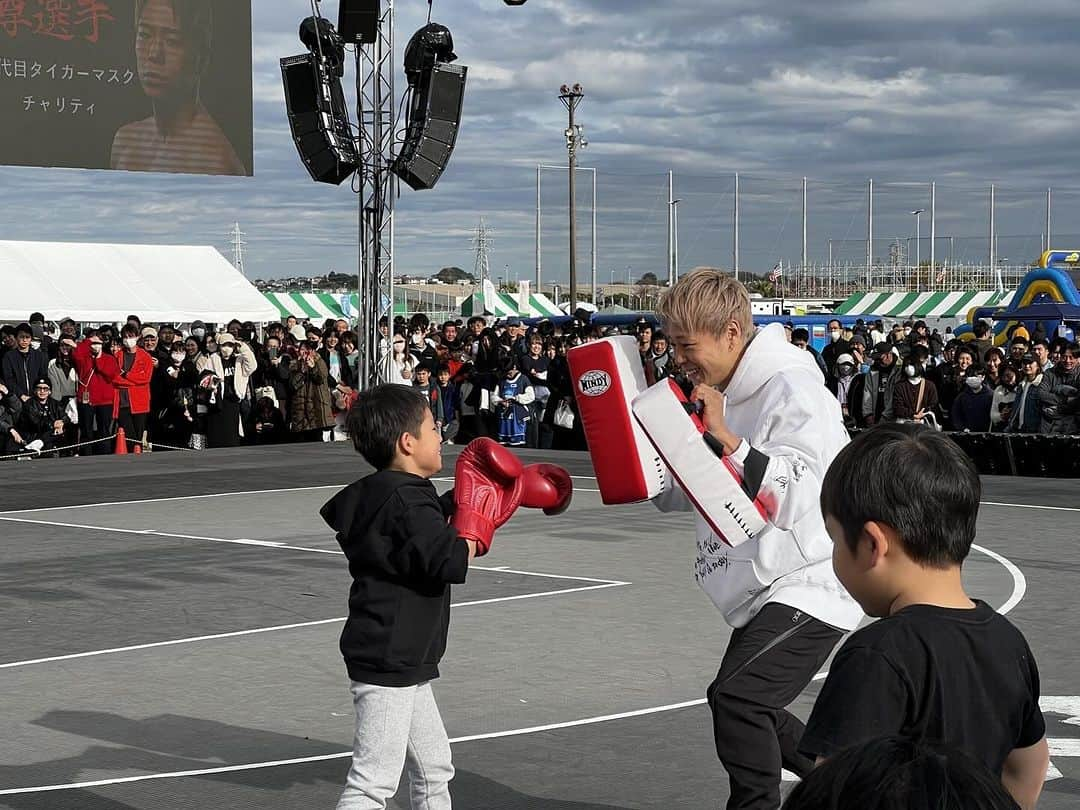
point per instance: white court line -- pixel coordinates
(344, 754)
(173, 498)
(1019, 588)
(1031, 506)
(275, 628)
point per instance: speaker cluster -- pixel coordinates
(319, 115)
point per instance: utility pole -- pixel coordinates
(575, 139)
(802, 266)
(933, 229)
(869, 235)
(735, 230)
(671, 229)
(594, 237)
(917, 213)
(1049, 200)
(539, 288)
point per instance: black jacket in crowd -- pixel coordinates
(20, 370)
(403, 557)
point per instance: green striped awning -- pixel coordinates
(920, 305)
(307, 306)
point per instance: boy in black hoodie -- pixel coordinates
(403, 556)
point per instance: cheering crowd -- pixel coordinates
(913, 374)
(67, 393)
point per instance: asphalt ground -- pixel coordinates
(170, 623)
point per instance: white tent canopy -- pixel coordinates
(105, 283)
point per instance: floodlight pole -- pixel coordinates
(376, 185)
(571, 97)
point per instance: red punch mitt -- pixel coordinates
(547, 487)
(487, 490)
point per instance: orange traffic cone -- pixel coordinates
(121, 443)
(137, 449)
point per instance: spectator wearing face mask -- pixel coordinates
(42, 340)
(870, 399)
(971, 409)
(94, 394)
(1026, 415)
(65, 383)
(1059, 394)
(834, 348)
(949, 378)
(172, 396)
(915, 399)
(23, 364)
(129, 370)
(232, 367)
(1004, 396)
(840, 385)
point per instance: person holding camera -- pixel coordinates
(232, 366)
(310, 415)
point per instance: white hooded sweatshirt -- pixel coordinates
(792, 428)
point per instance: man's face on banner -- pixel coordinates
(166, 60)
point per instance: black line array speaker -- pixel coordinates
(358, 20)
(433, 126)
(319, 119)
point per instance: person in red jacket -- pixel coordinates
(129, 370)
(94, 394)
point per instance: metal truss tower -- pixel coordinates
(376, 186)
(238, 243)
(482, 242)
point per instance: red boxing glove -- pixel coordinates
(547, 487)
(487, 490)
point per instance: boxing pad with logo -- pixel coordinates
(607, 375)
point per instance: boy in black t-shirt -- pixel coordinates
(938, 666)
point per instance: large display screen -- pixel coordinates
(138, 85)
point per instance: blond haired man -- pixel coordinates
(769, 415)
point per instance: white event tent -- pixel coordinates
(95, 283)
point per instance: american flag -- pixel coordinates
(777, 272)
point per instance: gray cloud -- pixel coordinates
(966, 93)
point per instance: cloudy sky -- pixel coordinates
(966, 92)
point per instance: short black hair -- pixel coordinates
(969, 351)
(912, 478)
(800, 334)
(898, 773)
(378, 418)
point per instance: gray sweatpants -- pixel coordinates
(398, 727)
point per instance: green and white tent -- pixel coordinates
(317, 307)
(524, 304)
(920, 305)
